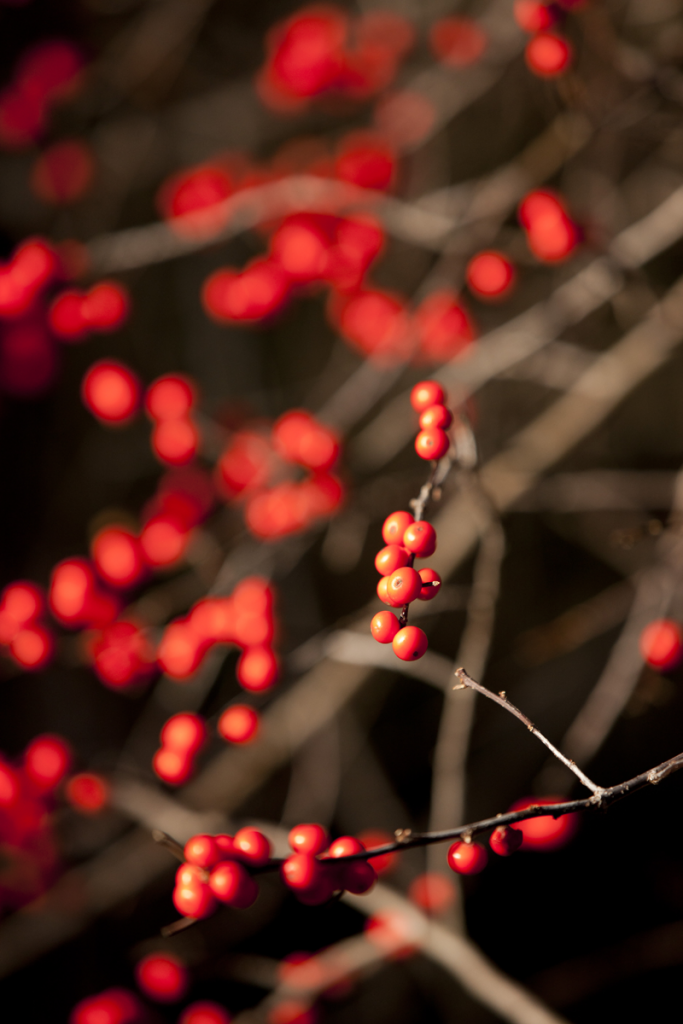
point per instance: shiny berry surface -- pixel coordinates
(410, 643)
(426, 393)
(395, 526)
(467, 858)
(432, 444)
(436, 416)
(384, 627)
(311, 838)
(420, 539)
(404, 585)
(252, 846)
(390, 558)
(505, 840)
(431, 584)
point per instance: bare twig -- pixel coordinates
(500, 698)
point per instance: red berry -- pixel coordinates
(302, 871)
(358, 876)
(189, 874)
(661, 643)
(319, 893)
(505, 841)
(391, 558)
(87, 792)
(384, 627)
(162, 977)
(194, 899)
(436, 416)
(490, 275)
(420, 539)
(432, 892)
(545, 832)
(395, 526)
(172, 766)
(257, 669)
(252, 846)
(226, 844)
(532, 15)
(231, 883)
(203, 851)
(186, 733)
(432, 443)
(467, 858)
(383, 593)
(204, 1012)
(345, 846)
(47, 760)
(426, 393)
(548, 54)
(308, 838)
(404, 585)
(410, 643)
(431, 584)
(238, 724)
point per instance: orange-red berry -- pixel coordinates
(432, 443)
(410, 643)
(467, 858)
(203, 851)
(431, 584)
(436, 416)
(505, 840)
(426, 393)
(420, 539)
(231, 883)
(404, 585)
(308, 838)
(395, 526)
(384, 627)
(252, 846)
(391, 558)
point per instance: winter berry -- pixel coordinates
(319, 893)
(432, 892)
(467, 858)
(490, 276)
(231, 883)
(384, 627)
(87, 792)
(431, 584)
(661, 644)
(545, 832)
(404, 585)
(410, 643)
(391, 558)
(395, 526)
(257, 669)
(384, 595)
(432, 444)
(252, 846)
(505, 840)
(226, 844)
(172, 766)
(301, 871)
(202, 851)
(238, 724)
(426, 393)
(420, 539)
(308, 838)
(46, 761)
(194, 899)
(436, 416)
(185, 732)
(358, 876)
(548, 54)
(162, 977)
(204, 1012)
(533, 16)
(345, 846)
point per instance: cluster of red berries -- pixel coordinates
(74, 314)
(161, 977)
(254, 458)
(490, 276)
(29, 643)
(28, 791)
(407, 539)
(245, 619)
(46, 74)
(216, 869)
(168, 403)
(548, 54)
(312, 875)
(320, 50)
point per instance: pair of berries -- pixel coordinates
(314, 879)
(427, 399)
(216, 869)
(471, 858)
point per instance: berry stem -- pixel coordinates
(500, 698)
(163, 839)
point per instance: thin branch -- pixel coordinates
(500, 698)
(163, 839)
